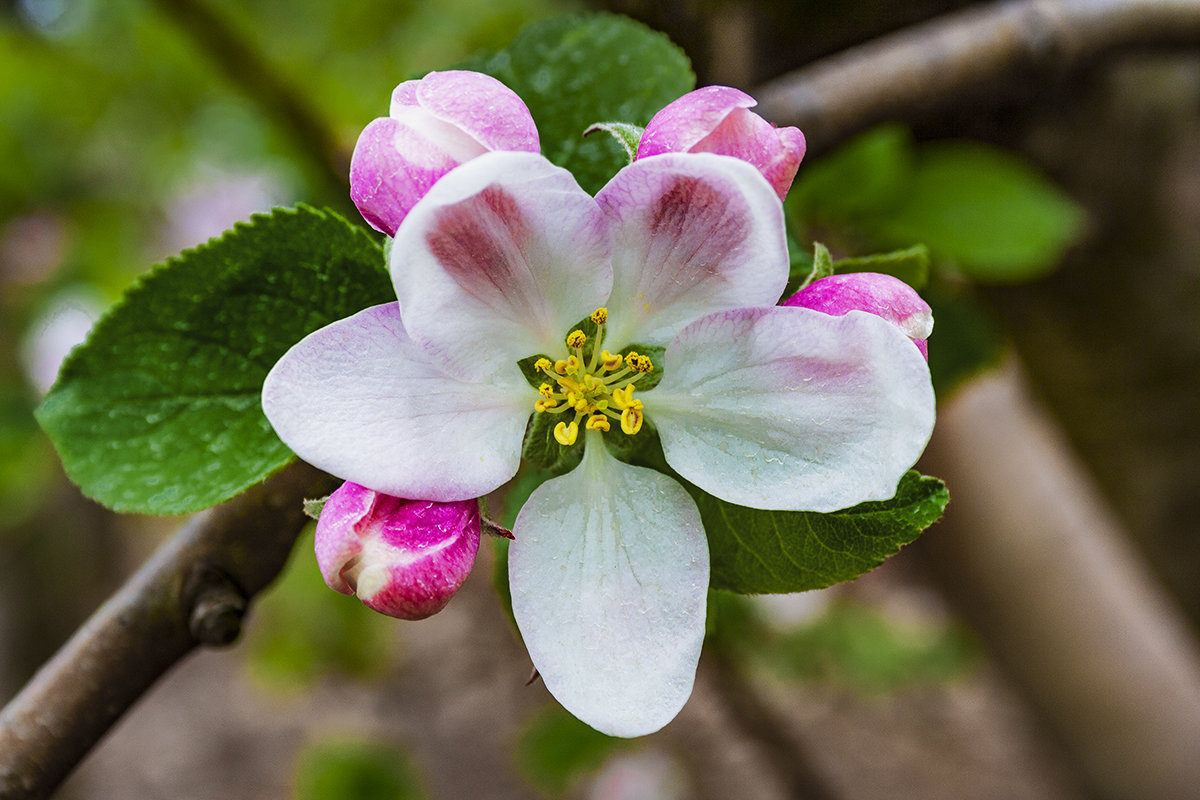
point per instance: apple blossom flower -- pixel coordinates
(435, 124)
(403, 558)
(760, 405)
(882, 295)
(717, 119)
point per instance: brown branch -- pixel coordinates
(193, 591)
(963, 57)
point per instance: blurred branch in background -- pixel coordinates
(194, 591)
(315, 142)
(981, 52)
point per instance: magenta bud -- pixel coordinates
(403, 558)
(435, 124)
(716, 119)
(881, 295)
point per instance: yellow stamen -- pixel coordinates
(598, 422)
(565, 433)
(623, 397)
(576, 339)
(546, 391)
(560, 366)
(600, 316)
(543, 365)
(639, 363)
(631, 419)
(541, 404)
(610, 361)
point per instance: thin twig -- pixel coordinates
(193, 591)
(964, 57)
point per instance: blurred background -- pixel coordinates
(131, 129)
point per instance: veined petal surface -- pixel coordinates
(792, 409)
(692, 233)
(684, 122)
(359, 399)
(474, 103)
(497, 261)
(609, 576)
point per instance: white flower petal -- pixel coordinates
(692, 233)
(609, 576)
(360, 400)
(498, 260)
(788, 408)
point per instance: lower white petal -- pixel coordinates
(792, 409)
(609, 576)
(361, 401)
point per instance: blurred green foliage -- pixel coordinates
(302, 630)
(335, 769)
(555, 750)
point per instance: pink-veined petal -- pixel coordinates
(394, 166)
(776, 152)
(792, 409)
(476, 104)
(609, 577)
(359, 399)
(682, 123)
(692, 234)
(500, 258)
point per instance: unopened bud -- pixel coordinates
(403, 558)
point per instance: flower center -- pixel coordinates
(593, 389)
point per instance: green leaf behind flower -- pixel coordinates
(159, 411)
(574, 70)
(754, 551)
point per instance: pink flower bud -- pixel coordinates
(404, 558)
(881, 295)
(715, 119)
(435, 124)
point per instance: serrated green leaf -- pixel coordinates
(987, 211)
(910, 265)
(159, 411)
(754, 551)
(573, 70)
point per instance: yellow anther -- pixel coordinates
(610, 361)
(560, 366)
(541, 404)
(639, 363)
(565, 433)
(597, 422)
(591, 383)
(624, 397)
(600, 316)
(576, 339)
(546, 391)
(631, 419)
(543, 365)
(572, 363)
(581, 405)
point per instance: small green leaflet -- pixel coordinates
(159, 411)
(628, 136)
(758, 552)
(573, 70)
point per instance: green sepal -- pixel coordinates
(159, 411)
(656, 355)
(541, 448)
(629, 136)
(910, 265)
(755, 551)
(822, 265)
